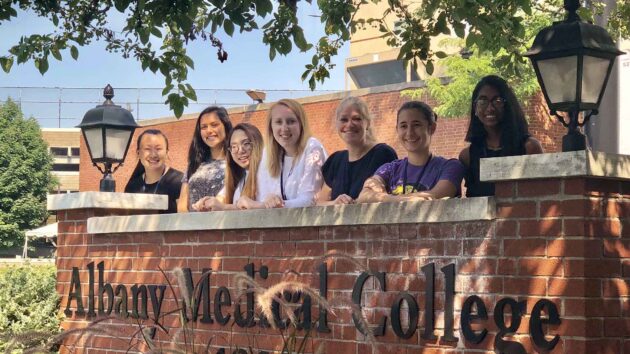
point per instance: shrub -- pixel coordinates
(29, 305)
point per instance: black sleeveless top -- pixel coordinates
(478, 150)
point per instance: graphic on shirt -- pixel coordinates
(408, 188)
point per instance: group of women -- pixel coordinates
(233, 168)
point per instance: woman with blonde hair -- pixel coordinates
(291, 175)
(243, 161)
(346, 171)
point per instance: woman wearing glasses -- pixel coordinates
(243, 160)
(497, 128)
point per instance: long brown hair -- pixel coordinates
(274, 150)
(235, 173)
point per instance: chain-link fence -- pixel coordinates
(64, 107)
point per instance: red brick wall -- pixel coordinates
(447, 141)
(565, 240)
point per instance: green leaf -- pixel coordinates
(228, 26)
(189, 62)
(178, 109)
(144, 36)
(272, 53)
(74, 52)
(429, 67)
(460, 29)
(167, 89)
(154, 65)
(55, 20)
(156, 32)
(191, 94)
(263, 7)
(6, 63)
(298, 38)
(441, 55)
(42, 65)
(55, 53)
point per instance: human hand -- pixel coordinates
(273, 201)
(199, 205)
(343, 199)
(248, 203)
(212, 203)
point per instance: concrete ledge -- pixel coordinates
(107, 200)
(561, 164)
(436, 211)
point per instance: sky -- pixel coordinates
(248, 67)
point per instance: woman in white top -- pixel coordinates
(292, 174)
(245, 153)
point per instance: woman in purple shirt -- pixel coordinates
(421, 175)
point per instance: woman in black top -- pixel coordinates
(497, 128)
(151, 174)
(345, 171)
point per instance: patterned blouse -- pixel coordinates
(206, 181)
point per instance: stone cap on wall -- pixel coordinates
(434, 211)
(553, 165)
(107, 200)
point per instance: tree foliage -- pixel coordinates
(24, 175)
(492, 26)
(463, 72)
(29, 306)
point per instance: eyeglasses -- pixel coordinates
(246, 146)
(497, 102)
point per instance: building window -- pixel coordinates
(75, 151)
(59, 151)
(65, 167)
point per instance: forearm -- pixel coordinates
(304, 200)
(372, 196)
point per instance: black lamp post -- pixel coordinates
(107, 130)
(573, 60)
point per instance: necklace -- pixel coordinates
(284, 196)
(157, 185)
(416, 186)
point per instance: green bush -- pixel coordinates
(29, 305)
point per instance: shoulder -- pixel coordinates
(314, 150)
(313, 143)
(464, 156)
(533, 146)
(390, 166)
(134, 184)
(337, 156)
(335, 159)
(384, 149)
(174, 175)
(444, 163)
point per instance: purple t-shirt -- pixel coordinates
(417, 179)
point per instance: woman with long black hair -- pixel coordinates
(205, 174)
(497, 128)
(152, 175)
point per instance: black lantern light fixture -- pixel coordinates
(573, 60)
(107, 130)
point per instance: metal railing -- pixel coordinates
(64, 107)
